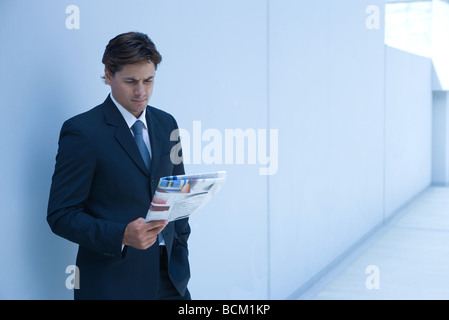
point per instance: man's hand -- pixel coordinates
(142, 235)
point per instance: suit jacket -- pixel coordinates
(99, 185)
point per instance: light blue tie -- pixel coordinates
(138, 136)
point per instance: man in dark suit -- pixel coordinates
(104, 181)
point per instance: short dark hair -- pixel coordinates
(129, 48)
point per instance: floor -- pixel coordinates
(407, 259)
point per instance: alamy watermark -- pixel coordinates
(73, 279)
(233, 146)
(73, 20)
(373, 280)
(373, 19)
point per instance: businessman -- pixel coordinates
(108, 164)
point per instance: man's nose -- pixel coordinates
(139, 90)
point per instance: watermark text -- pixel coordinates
(234, 146)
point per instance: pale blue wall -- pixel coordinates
(440, 139)
(213, 70)
(408, 131)
(327, 96)
(312, 70)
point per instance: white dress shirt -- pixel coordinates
(130, 120)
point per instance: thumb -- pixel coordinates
(140, 220)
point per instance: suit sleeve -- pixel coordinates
(71, 182)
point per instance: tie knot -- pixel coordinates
(137, 127)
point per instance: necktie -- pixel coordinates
(138, 136)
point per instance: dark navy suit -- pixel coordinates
(100, 184)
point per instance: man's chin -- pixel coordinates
(137, 109)
(140, 104)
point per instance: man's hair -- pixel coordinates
(129, 48)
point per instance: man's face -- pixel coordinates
(132, 86)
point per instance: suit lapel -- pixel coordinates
(155, 139)
(123, 134)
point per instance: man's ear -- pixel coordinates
(107, 76)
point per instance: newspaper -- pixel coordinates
(178, 197)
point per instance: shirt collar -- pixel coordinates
(128, 116)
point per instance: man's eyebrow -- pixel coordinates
(132, 79)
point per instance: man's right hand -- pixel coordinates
(142, 235)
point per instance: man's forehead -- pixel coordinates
(143, 69)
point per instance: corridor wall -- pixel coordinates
(327, 98)
(408, 127)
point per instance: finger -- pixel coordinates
(154, 232)
(150, 241)
(156, 224)
(138, 223)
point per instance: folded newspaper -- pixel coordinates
(178, 197)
